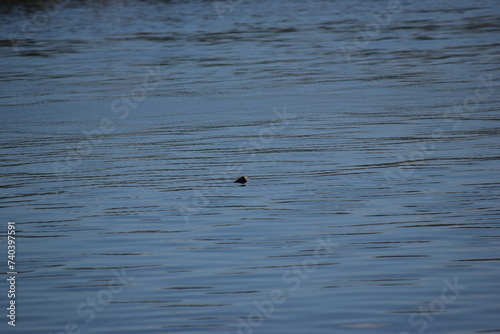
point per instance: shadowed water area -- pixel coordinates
(369, 131)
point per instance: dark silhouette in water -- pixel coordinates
(242, 180)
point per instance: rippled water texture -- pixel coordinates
(369, 131)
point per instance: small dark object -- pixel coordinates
(242, 180)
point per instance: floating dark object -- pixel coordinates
(242, 180)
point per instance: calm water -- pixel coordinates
(369, 131)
